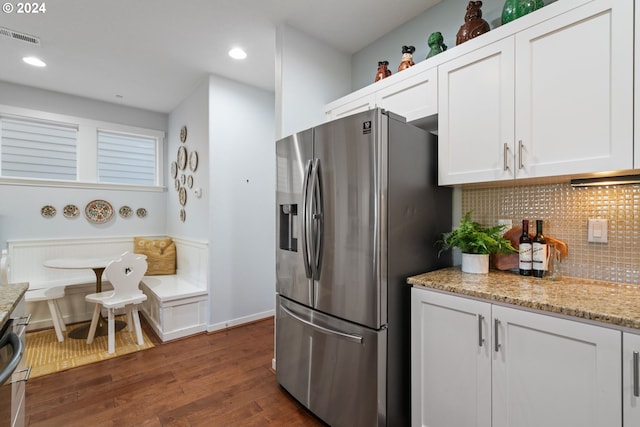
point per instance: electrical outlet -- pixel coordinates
(597, 230)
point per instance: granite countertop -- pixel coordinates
(614, 303)
(9, 296)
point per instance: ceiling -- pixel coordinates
(151, 54)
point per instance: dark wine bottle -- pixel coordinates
(539, 251)
(525, 257)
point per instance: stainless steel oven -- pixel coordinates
(11, 353)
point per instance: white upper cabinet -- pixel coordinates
(574, 103)
(411, 93)
(475, 116)
(554, 99)
(636, 151)
(347, 107)
(413, 98)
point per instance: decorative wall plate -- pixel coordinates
(174, 170)
(177, 184)
(193, 161)
(98, 211)
(183, 179)
(48, 211)
(70, 211)
(125, 211)
(141, 212)
(183, 134)
(182, 157)
(190, 181)
(182, 196)
(183, 215)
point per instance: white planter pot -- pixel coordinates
(475, 263)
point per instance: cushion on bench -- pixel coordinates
(171, 287)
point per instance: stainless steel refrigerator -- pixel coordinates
(358, 210)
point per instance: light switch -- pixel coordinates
(597, 230)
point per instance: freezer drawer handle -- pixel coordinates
(636, 379)
(350, 337)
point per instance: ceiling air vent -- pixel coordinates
(19, 36)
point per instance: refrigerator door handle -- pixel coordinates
(305, 220)
(317, 218)
(351, 337)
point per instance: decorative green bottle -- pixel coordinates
(514, 9)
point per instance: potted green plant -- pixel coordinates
(476, 243)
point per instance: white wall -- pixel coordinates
(309, 74)
(20, 216)
(241, 203)
(61, 103)
(193, 113)
(446, 17)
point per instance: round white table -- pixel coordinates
(97, 265)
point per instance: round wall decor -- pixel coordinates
(183, 134)
(182, 157)
(98, 211)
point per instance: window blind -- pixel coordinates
(126, 159)
(31, 149)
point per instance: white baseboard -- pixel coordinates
(240, 321)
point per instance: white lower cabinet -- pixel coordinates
(479, 364)
(631, 379)
(450, 361)
(20, 375)
(550, 372)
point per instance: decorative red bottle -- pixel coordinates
(525, 257)
(539, 251)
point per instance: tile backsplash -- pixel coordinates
(565, 211)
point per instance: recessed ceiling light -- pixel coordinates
(36, 62)
(237, 53)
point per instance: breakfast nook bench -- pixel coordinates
(176, 303)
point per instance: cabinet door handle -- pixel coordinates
(505, 155)
(496, 341)
(636, 369)
(521, 161)
(480, 337)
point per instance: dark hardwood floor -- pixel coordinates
(218, 379)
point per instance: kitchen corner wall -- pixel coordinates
(565, 211)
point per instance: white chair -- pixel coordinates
(124, 274)
(50, 295)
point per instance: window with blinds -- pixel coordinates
(32, 149)
(126, 159)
